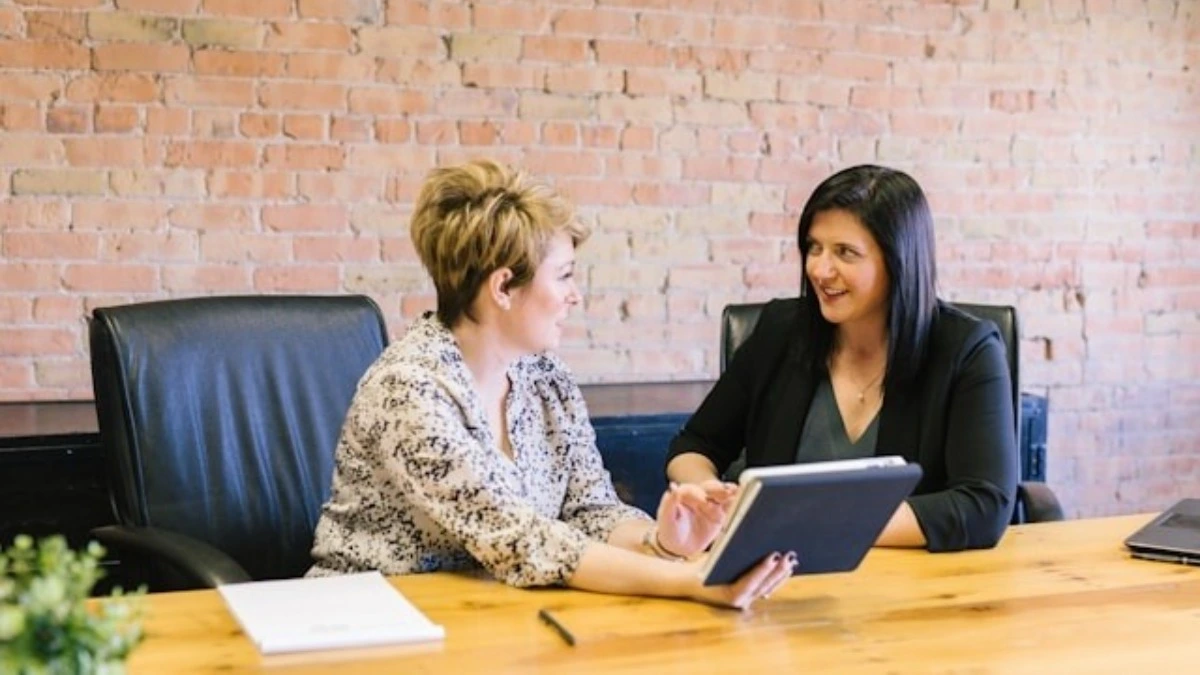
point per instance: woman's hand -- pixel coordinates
(759, 582)
(690, 516)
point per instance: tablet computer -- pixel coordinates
(829, 513)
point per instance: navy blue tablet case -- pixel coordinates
(830, 519)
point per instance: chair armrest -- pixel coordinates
(198, 561)
(1038, 502)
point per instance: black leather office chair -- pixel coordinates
(1036, 502)
(219, 418)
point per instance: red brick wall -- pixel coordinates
(161, 148)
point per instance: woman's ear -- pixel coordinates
(497, 288)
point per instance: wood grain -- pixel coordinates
(1051, 597)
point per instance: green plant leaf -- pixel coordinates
(46, 623)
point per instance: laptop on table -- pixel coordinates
(1173, 536)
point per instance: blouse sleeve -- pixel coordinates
(591, 503)
(981, 457)
(443, 467)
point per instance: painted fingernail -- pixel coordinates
(774, 558)
(791, 557)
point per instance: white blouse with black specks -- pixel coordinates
(420, 484)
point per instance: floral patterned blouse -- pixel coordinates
(420, 484)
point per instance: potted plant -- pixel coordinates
(47, 624)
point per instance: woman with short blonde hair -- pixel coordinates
(479, 217)
(468, 443)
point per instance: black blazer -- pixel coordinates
(955, 419)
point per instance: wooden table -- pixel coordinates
(1053, 597)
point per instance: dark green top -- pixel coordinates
(824, 437)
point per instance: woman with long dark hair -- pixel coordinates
(866, 362)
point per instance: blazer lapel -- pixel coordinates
(788, 402)
(899, 425)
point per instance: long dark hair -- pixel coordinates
(891, 205)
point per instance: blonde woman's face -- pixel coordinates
(540, 308)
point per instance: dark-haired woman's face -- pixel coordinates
(845, 268)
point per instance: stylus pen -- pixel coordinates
(549, 620)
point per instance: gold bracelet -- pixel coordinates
(650, 541)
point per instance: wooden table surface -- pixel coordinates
(1053, 597)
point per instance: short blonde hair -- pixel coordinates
(473, 219)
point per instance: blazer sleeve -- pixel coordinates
(445, 469)
(980, 457)
(717, 429)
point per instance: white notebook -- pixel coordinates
(352, 610)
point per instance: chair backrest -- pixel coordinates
(738, 321)
(219, 416)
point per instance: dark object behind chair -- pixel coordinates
(1035, 501)
(219, 419)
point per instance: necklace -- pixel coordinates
(862, 393)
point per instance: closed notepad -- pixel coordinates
(829, 513)
(352, 610)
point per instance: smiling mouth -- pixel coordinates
(833, 294)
